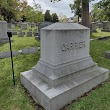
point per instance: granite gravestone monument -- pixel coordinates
(65, 70)
(3, 32)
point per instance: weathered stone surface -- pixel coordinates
(20, 34)
(106, 25)
(29, 34)
(3, 32)
(93, 26)
(13, 26)
(29, 50)
(100, 25)
(13, 32)
(57, 97)
(65, 69)
(24, 26)
(107, 54)
(7, 54)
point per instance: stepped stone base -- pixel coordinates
(56, 97)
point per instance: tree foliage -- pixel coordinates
(47, 16)
(8, 9)
(84, 9)
(76, 8)
(19, 10)
(54, 17)
(101, 11)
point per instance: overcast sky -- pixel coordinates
(57, 7)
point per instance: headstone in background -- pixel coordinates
(29, 50)
(29, 34)
(24, 26)
(13, 26)
(3, 32)
(19, 23)
(20, 34)
(9, 25)
(14, 32)
(106, 25)
(42, 25)
(93, 26)
(100, 25)
(65, 70)
(7, 54)
(107, 54)
(36, 35)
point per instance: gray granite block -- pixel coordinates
(65, 69)
(29, 50)
(57, 97)
(29, 34)
(20, 34)
(7, 54)
(107, 54)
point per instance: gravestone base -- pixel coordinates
(57, 96)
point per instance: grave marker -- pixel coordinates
(65, 70)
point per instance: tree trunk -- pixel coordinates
(85, 13)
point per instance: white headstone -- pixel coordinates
(65, 70)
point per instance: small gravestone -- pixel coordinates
(93, 26)
(42, 25)
(13, 26)
(7, 54)
(19, 23)
(14, 32)
(29, 34)
(20, 34)
(106, 25)
(65, 70)
(24, 26)
(3, 32)
(100, 25)
(107, 54)
(33, 24)
(9, 25)
(29, 50)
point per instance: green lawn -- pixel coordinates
(19, 43)
(99, 33)
(16, 98)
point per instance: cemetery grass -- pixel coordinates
(17, 98)
(98, 98)
(20, 43)
(99, 34)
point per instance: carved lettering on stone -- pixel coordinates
(73, 46)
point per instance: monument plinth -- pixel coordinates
(65, 70)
